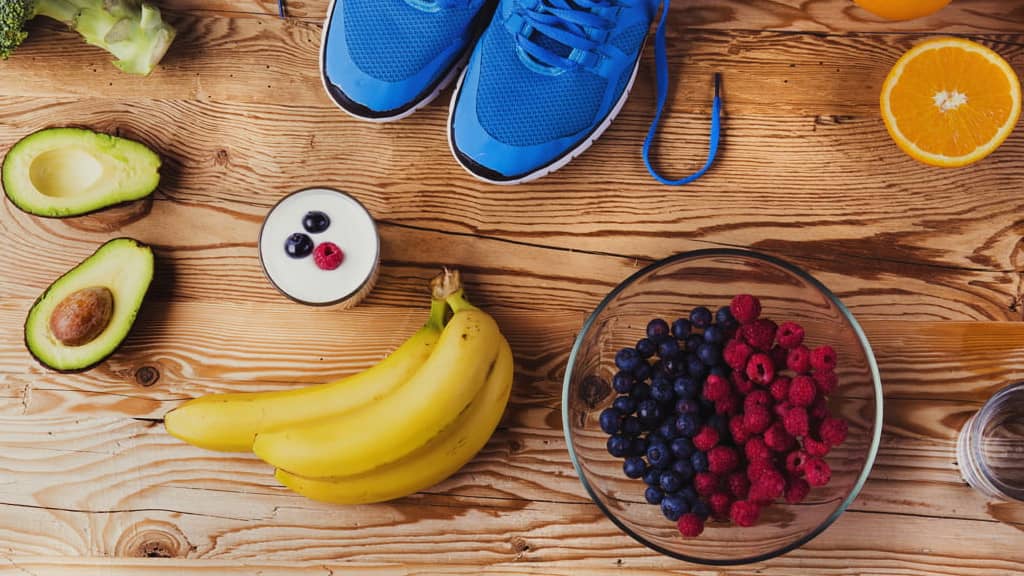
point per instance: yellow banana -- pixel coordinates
(409, 417)
(441, 457)
(230, 422)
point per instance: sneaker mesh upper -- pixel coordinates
(391, 40)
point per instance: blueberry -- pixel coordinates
(624, 404)
(316, 222)
(720, 371)
(673, 506)
(696, 368)
(687, 425)
(700, 509)
(693, 341)
(627, 359)
(673, 364)
(689, 493)
(640, 392)
(618, 445)
(681, 328)
(710, 354)
(667, 430)
(642, 371)
(683, 468)
(298, 245)
(670, 481)
(668, 348)
(657, 330)
(699, 461)
(652, 476)
(700, 317)
(634, 467)
(649, 411)
(713, 334)
(681, 448)
(610, 419)
(724, 316)
(622, 382)
(685, 388)
(637, 447)
(631, 426)
(654, 438)
(658, 455)
(685, 406)
(646, 348)
(661, 391)
(653, 495)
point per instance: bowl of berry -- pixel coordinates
(722, 407)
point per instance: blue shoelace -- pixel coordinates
(570, 23)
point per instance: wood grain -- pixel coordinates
(931, 261)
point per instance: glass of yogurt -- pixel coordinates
(320, 247)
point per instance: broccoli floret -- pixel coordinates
(131, 30)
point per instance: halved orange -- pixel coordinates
(902, 9)
(950, 102)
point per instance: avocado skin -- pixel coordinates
(27, 336)
(84, 133)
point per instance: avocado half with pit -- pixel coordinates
(60, 172)
(83, 317)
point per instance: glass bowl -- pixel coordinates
(669, 289)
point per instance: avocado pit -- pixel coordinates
(82, 316)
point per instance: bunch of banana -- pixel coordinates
(400, 427)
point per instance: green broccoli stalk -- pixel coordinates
(131, 30)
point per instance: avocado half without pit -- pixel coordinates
(60, 172)
(83, 317)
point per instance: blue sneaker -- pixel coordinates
(546, 79)
(381, 60)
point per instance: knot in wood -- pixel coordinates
(153, 540)
(146, 376)
(593, 390)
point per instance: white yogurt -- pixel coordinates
(352, 229)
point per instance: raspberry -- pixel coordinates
(827, 382)
(760, 334)
(706, 483)
(738, 429)
(781, 409)
(778, 355)
(779, 388)
(796, 490)
(757, 419)
(768, 487)
(802, 391)
(745, 308)
(795, 461)
(817, 471)
(690, 525)
(760, 369)
(778, 439)
(736, 354)
(833, 431)
(738, 484)
(729, 405)
(799, 359)
(818, 410)
(720, 503)
(328, 256)
(790, 335)
(716, 388)
(760, 469)
(796, 422)
(757, 398)
(823, 358)
(722, 460)
(742, 384)
(756, 450)
(706, 439)
(744, 513)
(815, 447)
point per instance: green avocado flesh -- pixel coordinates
(62, 172)
(123, 266)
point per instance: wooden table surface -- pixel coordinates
(931, 261)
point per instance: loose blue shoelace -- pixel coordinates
(570, 23)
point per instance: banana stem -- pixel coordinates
(448, 286)
(438, 311)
